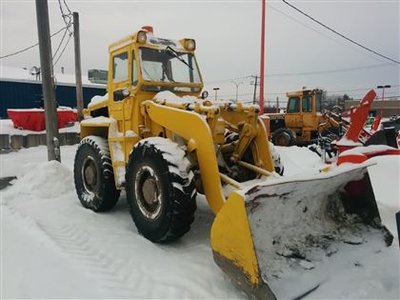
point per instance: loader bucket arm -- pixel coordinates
(199, 136)
(276, 234)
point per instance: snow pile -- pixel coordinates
(98, 99)
(171, 97)
(96, 120)
(7, 127)
(46, 180)
(298, 160)
(59, 108)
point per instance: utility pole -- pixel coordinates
(262, 56)
(237, 88)
(277, 104)
(216, 89)
(78, 71)
(46, 68)
(255, 88)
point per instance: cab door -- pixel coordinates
(293, 118)
(307, 112)
(119, 87)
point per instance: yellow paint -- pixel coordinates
(200, 128)
(231, 238)
(98, 129)
(306, 124)
(200, 134)
(325, 169)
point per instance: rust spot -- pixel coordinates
(253, 190)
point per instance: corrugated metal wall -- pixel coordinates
(28, 95)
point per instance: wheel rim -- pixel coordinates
(148, 192)
(283, 139)
(89, 174)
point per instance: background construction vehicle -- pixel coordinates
(157, 138)
(303, 120)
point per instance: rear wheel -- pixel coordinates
(283, 137)
(160, 190)
(93, 175)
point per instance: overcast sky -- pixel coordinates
(299, 52)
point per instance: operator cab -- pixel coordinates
(302, 102)
(151, 64)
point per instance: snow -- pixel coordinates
(7, 127)
(371, 149)
(346, 142)
(96, 120)
(130, 133)
(171, 97)
(287, 234)
(52, 247)
(117, 151)
(98, 99)
(23, 75)
(162, 41)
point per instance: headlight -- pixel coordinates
(141, 37)
(188, 44)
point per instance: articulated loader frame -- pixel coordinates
(200, 139)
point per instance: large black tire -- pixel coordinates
(160, 190)
(283, 137)
(93, 175)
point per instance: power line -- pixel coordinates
(339, 34)
(30, 47)
(66, 5)
(338, 41)
(310, 72)
(328, 91)
(66, 16)
(62, 52)
(59, 45)
(329, 71)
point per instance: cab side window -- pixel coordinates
(134, 70)
(306, 105)
(294, 106)
(120, 67)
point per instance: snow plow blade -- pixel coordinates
(274, 238)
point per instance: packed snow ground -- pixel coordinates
(51, 247)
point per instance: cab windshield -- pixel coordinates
(168, 65)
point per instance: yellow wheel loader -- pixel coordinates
(156, 136)
(303, 120)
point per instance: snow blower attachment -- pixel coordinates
(159, 140)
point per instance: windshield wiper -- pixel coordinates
(173, 53)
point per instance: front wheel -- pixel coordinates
(160, 190)
(93, 175)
